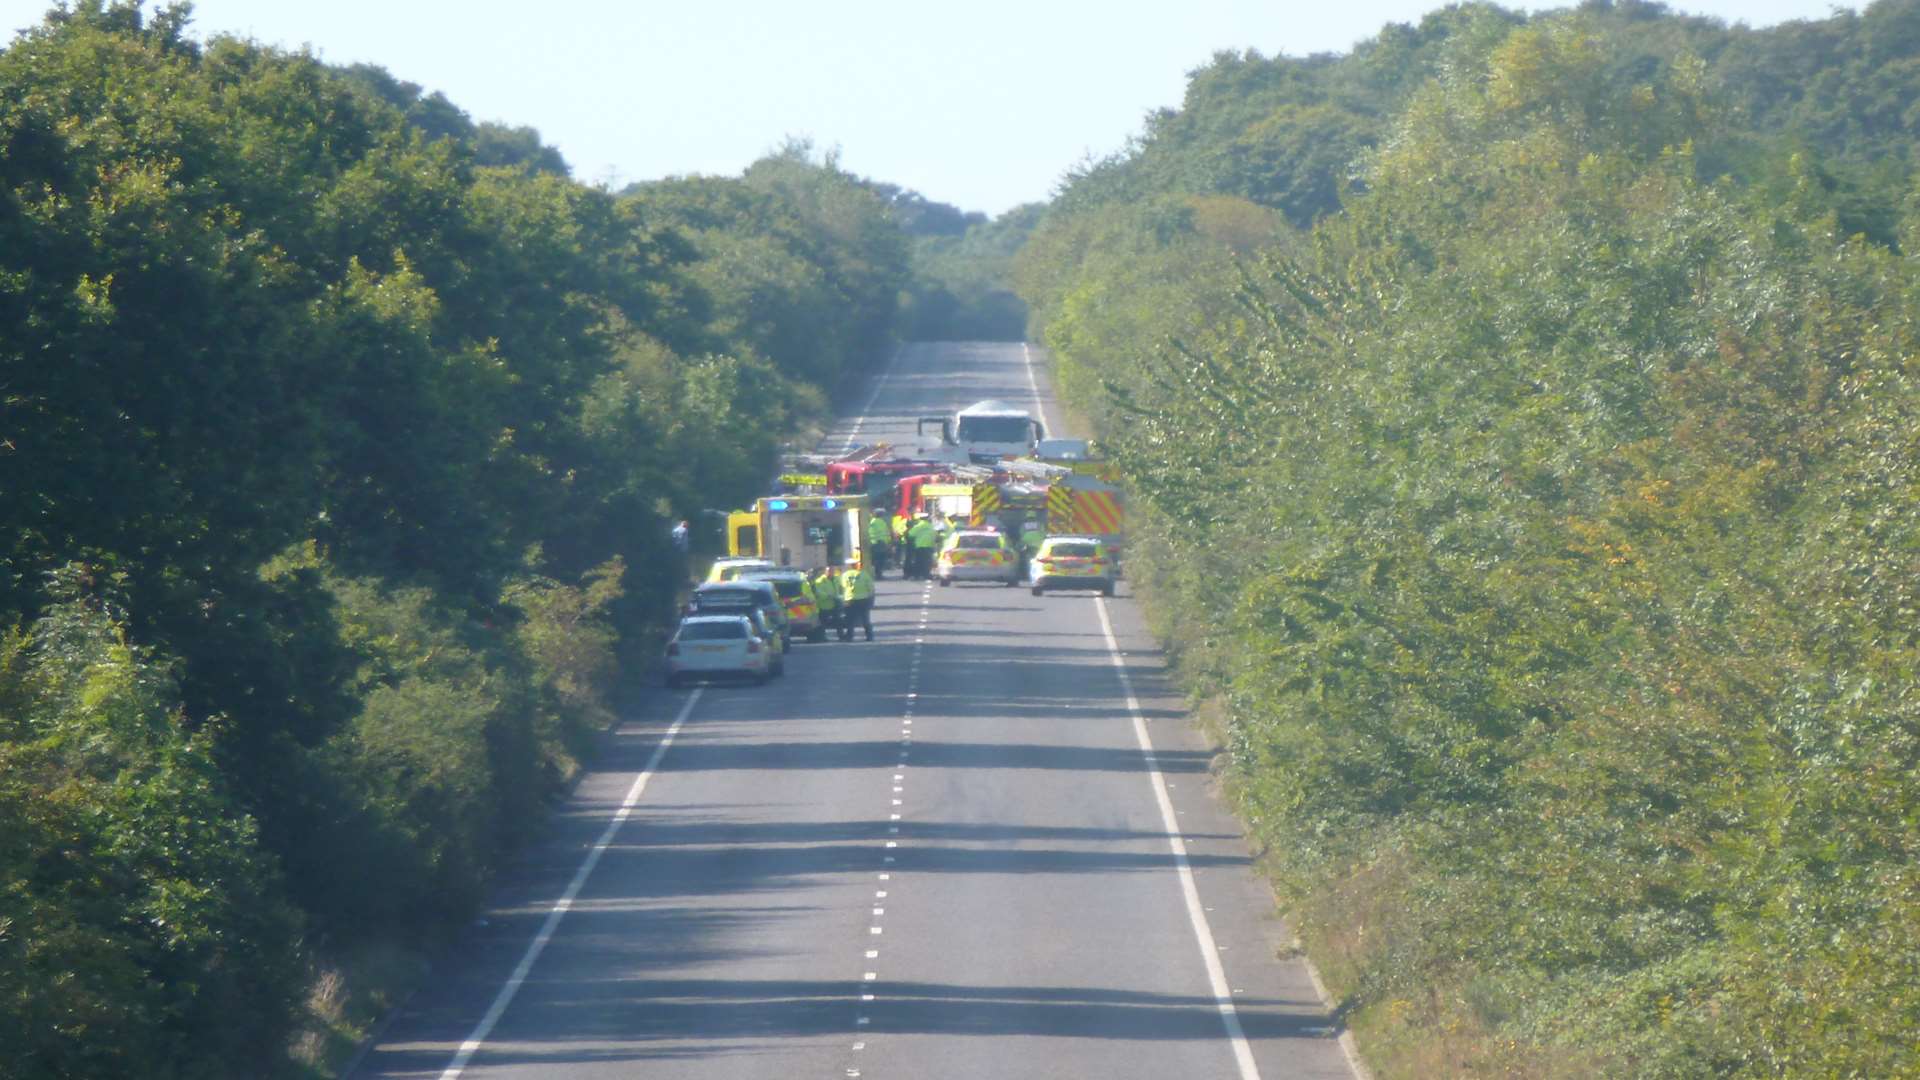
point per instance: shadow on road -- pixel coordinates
(657, 1019)
(928, 754)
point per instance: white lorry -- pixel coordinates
(985, 432)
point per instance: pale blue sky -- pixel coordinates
(981, 104)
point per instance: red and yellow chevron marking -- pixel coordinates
(1059, 509)
(986, 500)
(1094, 512)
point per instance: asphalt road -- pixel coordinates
(945, 853)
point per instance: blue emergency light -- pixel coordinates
(776, 504)
(829, 503)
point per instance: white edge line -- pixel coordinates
(1202, 932)
(878, 384)
(1039, 406)
(1347, 1046)
(561, 906)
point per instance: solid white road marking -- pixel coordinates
(1202, 932)
(539, 944)
(1026, 360)
(861, 420)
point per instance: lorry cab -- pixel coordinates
(986, 431)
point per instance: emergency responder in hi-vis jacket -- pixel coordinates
(826, 596)
(921, 542)
(879, 544)
(857, 584)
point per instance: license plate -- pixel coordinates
(709, 648)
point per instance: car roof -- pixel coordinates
(1074, 538)
(770, 573)
(711, 618)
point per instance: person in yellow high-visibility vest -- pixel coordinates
(921, 542)
(858, 586)
(879, 543)
(1031, 537)
(826, 594)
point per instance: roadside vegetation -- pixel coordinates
(1522, 419)
(341, 437)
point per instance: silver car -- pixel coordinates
(715, 646)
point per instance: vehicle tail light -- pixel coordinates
(1045, 560)
(753, 645)
(673, 648)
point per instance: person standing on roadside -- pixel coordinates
(900, 525)
(1031, 537)
(826, 596)
(879, 543)
(921, 541)
(857, 585)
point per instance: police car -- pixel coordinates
(978, 555)
(1071, 562)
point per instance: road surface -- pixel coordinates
(945, 854)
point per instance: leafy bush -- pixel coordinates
(142, 930)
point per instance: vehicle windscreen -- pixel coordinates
(713, 631)
(1074, 551)
(977, 542)
(1002, 429)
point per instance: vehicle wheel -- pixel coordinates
(817, 635)
(675, 681)
(1012, 581)
(946, 582)
(761, 679)
(1107, 589)
(1039, 590)
(781, 670)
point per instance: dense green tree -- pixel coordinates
(1534, 520)
(376, 422)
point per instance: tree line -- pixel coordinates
(341, 437)
(1521, 418)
